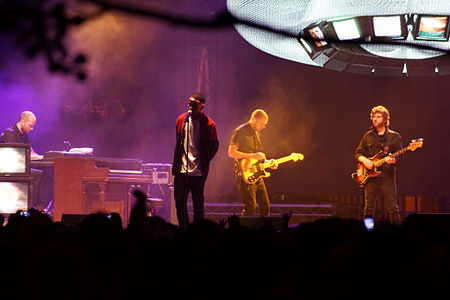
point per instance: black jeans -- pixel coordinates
(388, 188)
(184, 184)
(252, 194)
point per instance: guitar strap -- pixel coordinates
(384, 140)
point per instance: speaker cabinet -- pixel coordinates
(257, 222)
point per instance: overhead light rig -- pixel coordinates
(344, 44)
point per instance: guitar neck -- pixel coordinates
(383, 160)
(279, 161)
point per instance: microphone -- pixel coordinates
(66, 145)
(188, 114)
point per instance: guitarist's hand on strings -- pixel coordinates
(390, 160)
(272, 164)
(366, 162)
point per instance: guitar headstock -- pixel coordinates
(416, 143)
(297, 156)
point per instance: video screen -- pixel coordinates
(13, 196)
(13, 160)
(387, 26)
(433, 28)
(317, 33)
(347, 29)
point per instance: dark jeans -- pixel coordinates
(388, 188)
(184, 184)
(252, 194)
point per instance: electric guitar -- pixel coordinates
(253, 169)
(363, 174)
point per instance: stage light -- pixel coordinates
(412, 29)
(390, 26)
(346, 29)
(405, 69)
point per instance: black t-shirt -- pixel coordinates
(12, 135)
(372, 143)
(247, 139)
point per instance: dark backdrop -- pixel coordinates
(141, 73)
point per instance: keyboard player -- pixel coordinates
(43, 179)
(18, 133)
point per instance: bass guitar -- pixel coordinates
(253, 169)
(363, 174)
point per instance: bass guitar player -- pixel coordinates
(380, 138)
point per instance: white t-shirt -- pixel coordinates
(192, 135)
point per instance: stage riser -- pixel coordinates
(294, 220)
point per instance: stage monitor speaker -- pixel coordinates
(257, 222)
(72, 219)
(15, 194)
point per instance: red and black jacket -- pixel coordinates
(209, 143)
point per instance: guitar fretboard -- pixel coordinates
(383, 160)
(279, 161)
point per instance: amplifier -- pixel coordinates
(162, 187)
(161, 177)
(162, 173)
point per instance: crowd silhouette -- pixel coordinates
(331, 258)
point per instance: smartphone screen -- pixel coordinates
(25, 213)
(368, 222)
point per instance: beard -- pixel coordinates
(379, 125)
